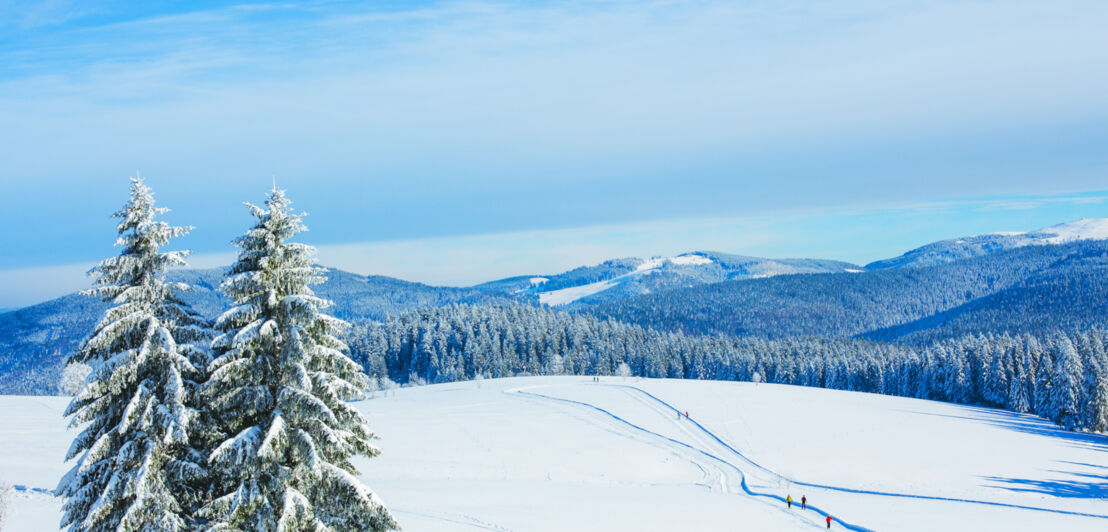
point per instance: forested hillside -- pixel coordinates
(35, 340)
(845, 305)
(1037, 289)
(1071, 295)
(954, 249)
(1063, 377)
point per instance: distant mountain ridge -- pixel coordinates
(1055, 277)
(1026, 289)
(1071, 294)
(620, 278)
(616, 279)
(35, 340)
(950, 250)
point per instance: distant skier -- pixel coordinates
(829, 522)
(686, 414)
(789, 500)
(803, 502)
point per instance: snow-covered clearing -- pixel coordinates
(565, 453)
(1083, 229)
(565, 296)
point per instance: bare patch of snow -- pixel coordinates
(1084, 229)
(650, 264)
(690, 260)
(566, 296)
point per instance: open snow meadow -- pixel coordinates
(568, 453)
(572, 266)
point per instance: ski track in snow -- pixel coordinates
(719, 440)
(711, 477)
(697, 448)
(460, 519)
(742, 475)
(28, 489)
(712, 436)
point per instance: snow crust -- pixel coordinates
(564, 453)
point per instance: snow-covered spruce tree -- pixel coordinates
(278, 389)
(137, 467)
(1066, 393)
(1098, 391)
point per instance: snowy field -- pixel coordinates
(569, 454)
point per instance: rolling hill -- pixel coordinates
(35, 340)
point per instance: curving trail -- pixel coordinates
(742, 475)
(703, 440)
(736, 452)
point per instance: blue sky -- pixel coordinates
(458, 142)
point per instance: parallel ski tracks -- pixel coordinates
(666, 409)
(736, 452)
(746, 488)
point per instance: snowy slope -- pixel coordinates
(548, 453)
(1084, 229)
(646, 267)
(945, 251)
(631, 277)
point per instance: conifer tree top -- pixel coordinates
(141, 237)
(135, 464)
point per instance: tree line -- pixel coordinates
(1059, 376)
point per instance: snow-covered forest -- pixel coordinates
(1061, 376)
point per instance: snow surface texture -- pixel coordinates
(566, 296)
(564, 453)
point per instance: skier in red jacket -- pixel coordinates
(803, 502)
(829, 521)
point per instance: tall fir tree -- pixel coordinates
(279, 387)
(1096, 383)
(1066, 391)
(137, 467)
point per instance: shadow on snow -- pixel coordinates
(1028, 424)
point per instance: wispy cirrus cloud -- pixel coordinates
(406, 122)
